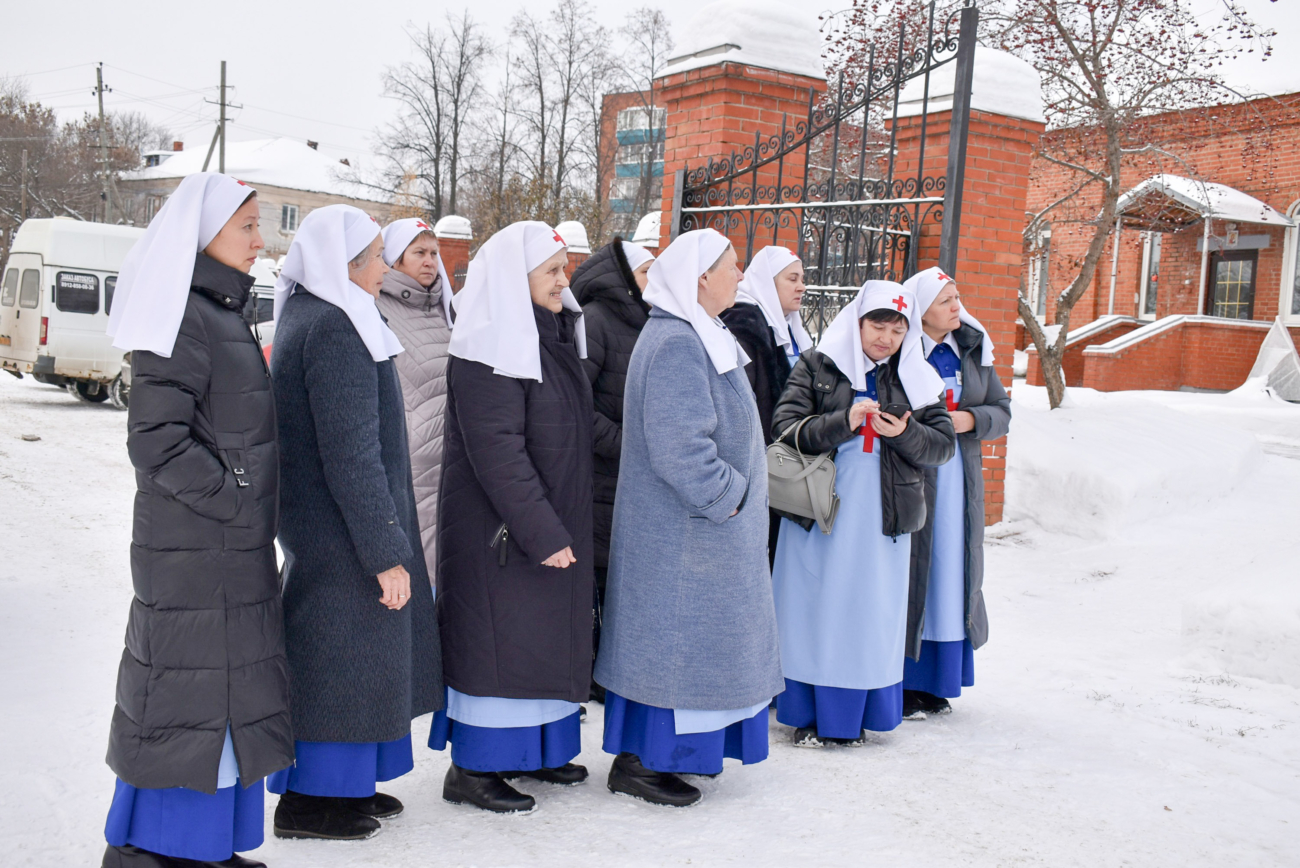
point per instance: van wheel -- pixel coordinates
(119, 393)
(90, 391)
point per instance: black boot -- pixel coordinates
(235, 861)
(380, 806)
(629, 777)
(484, 790)
(925, 703)
(806, 736)
(912, 709)
(301, 816)
(567, 775)
(133, 857)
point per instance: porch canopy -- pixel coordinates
(1168, 203)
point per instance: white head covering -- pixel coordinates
(674, 288)
(494, 311)
(317, 262)
(927, 285)
(398, 236)
(842, 342)
(759, 287)
(636, 255)
(154, 283)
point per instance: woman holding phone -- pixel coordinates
(868, 395)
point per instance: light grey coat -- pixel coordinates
(689, 619)
(417, 317)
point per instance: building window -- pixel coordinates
(1148, 292)
(152, 205)
(1290, 306)
(1232, 281)
(1039, 272)
(288, 218)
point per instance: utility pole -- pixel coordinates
(220, 133)
(103, 145)
(23, 212)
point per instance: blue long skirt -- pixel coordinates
(343, 769)
(508, 748)
(187, 824)
(943, 670)
(651, 733)
(840, 712)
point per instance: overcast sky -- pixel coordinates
(311, 69)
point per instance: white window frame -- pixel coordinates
(288, 211)
(1151, 241)
(1290, 267)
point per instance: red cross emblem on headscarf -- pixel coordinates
(899, 303)
(559, 239)
(946, 278)
(240, 183)
(420, 224)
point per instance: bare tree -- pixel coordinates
(648, 47)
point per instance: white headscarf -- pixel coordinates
(154, 283)
(759, 287)
(317, 262)
(398, 236)
(495, 324)
(927, 285)
(636, 255)
(842, 342)
(674, 288)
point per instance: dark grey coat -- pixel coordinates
(519, 456)
(205, 639)
(615, 314)
(360, 672)
(982, 394)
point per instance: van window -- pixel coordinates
(76, 293)
(30, 294)
(110, 284)
(10, 291)
(265, 308)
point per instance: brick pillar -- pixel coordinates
(454, 241)
(715, 110)
(989, 255)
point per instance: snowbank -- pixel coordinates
(1247, 627)
(1104, 461)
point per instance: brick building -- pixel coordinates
(292, 179)
(630, 166)
(1203, 259)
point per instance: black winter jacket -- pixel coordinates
(205, 636)
(610, 298)
(361, 671)
(817, 388)
(516, 489)
(768, 367)
(983, 396)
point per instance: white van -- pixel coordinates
(56, 293)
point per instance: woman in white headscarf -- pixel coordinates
(946, 617)
(514, 525)
(360, 629)
(416, 301)
(768, 326)
(841, 598)
(688, 654)
(202, 711)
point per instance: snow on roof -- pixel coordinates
(453, 226)
(768, 33)
(575, 236)
(1179, 201)
(1002, 84)
(647, 231)
(280, 162)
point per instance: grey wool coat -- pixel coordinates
(205, 639)
(982, 394)
(416, 316)
(358, 671)
(689, 618)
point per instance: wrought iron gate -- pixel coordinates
(857, 215)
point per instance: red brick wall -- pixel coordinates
(575, 259)
(1072, 362)
(1253, 147)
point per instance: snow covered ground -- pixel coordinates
(1138, 703)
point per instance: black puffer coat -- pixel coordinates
(610, 298)
(983, 396)
(817, 388)
(518, 456)
(768, 367)
(205, 637)
(361, 671)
